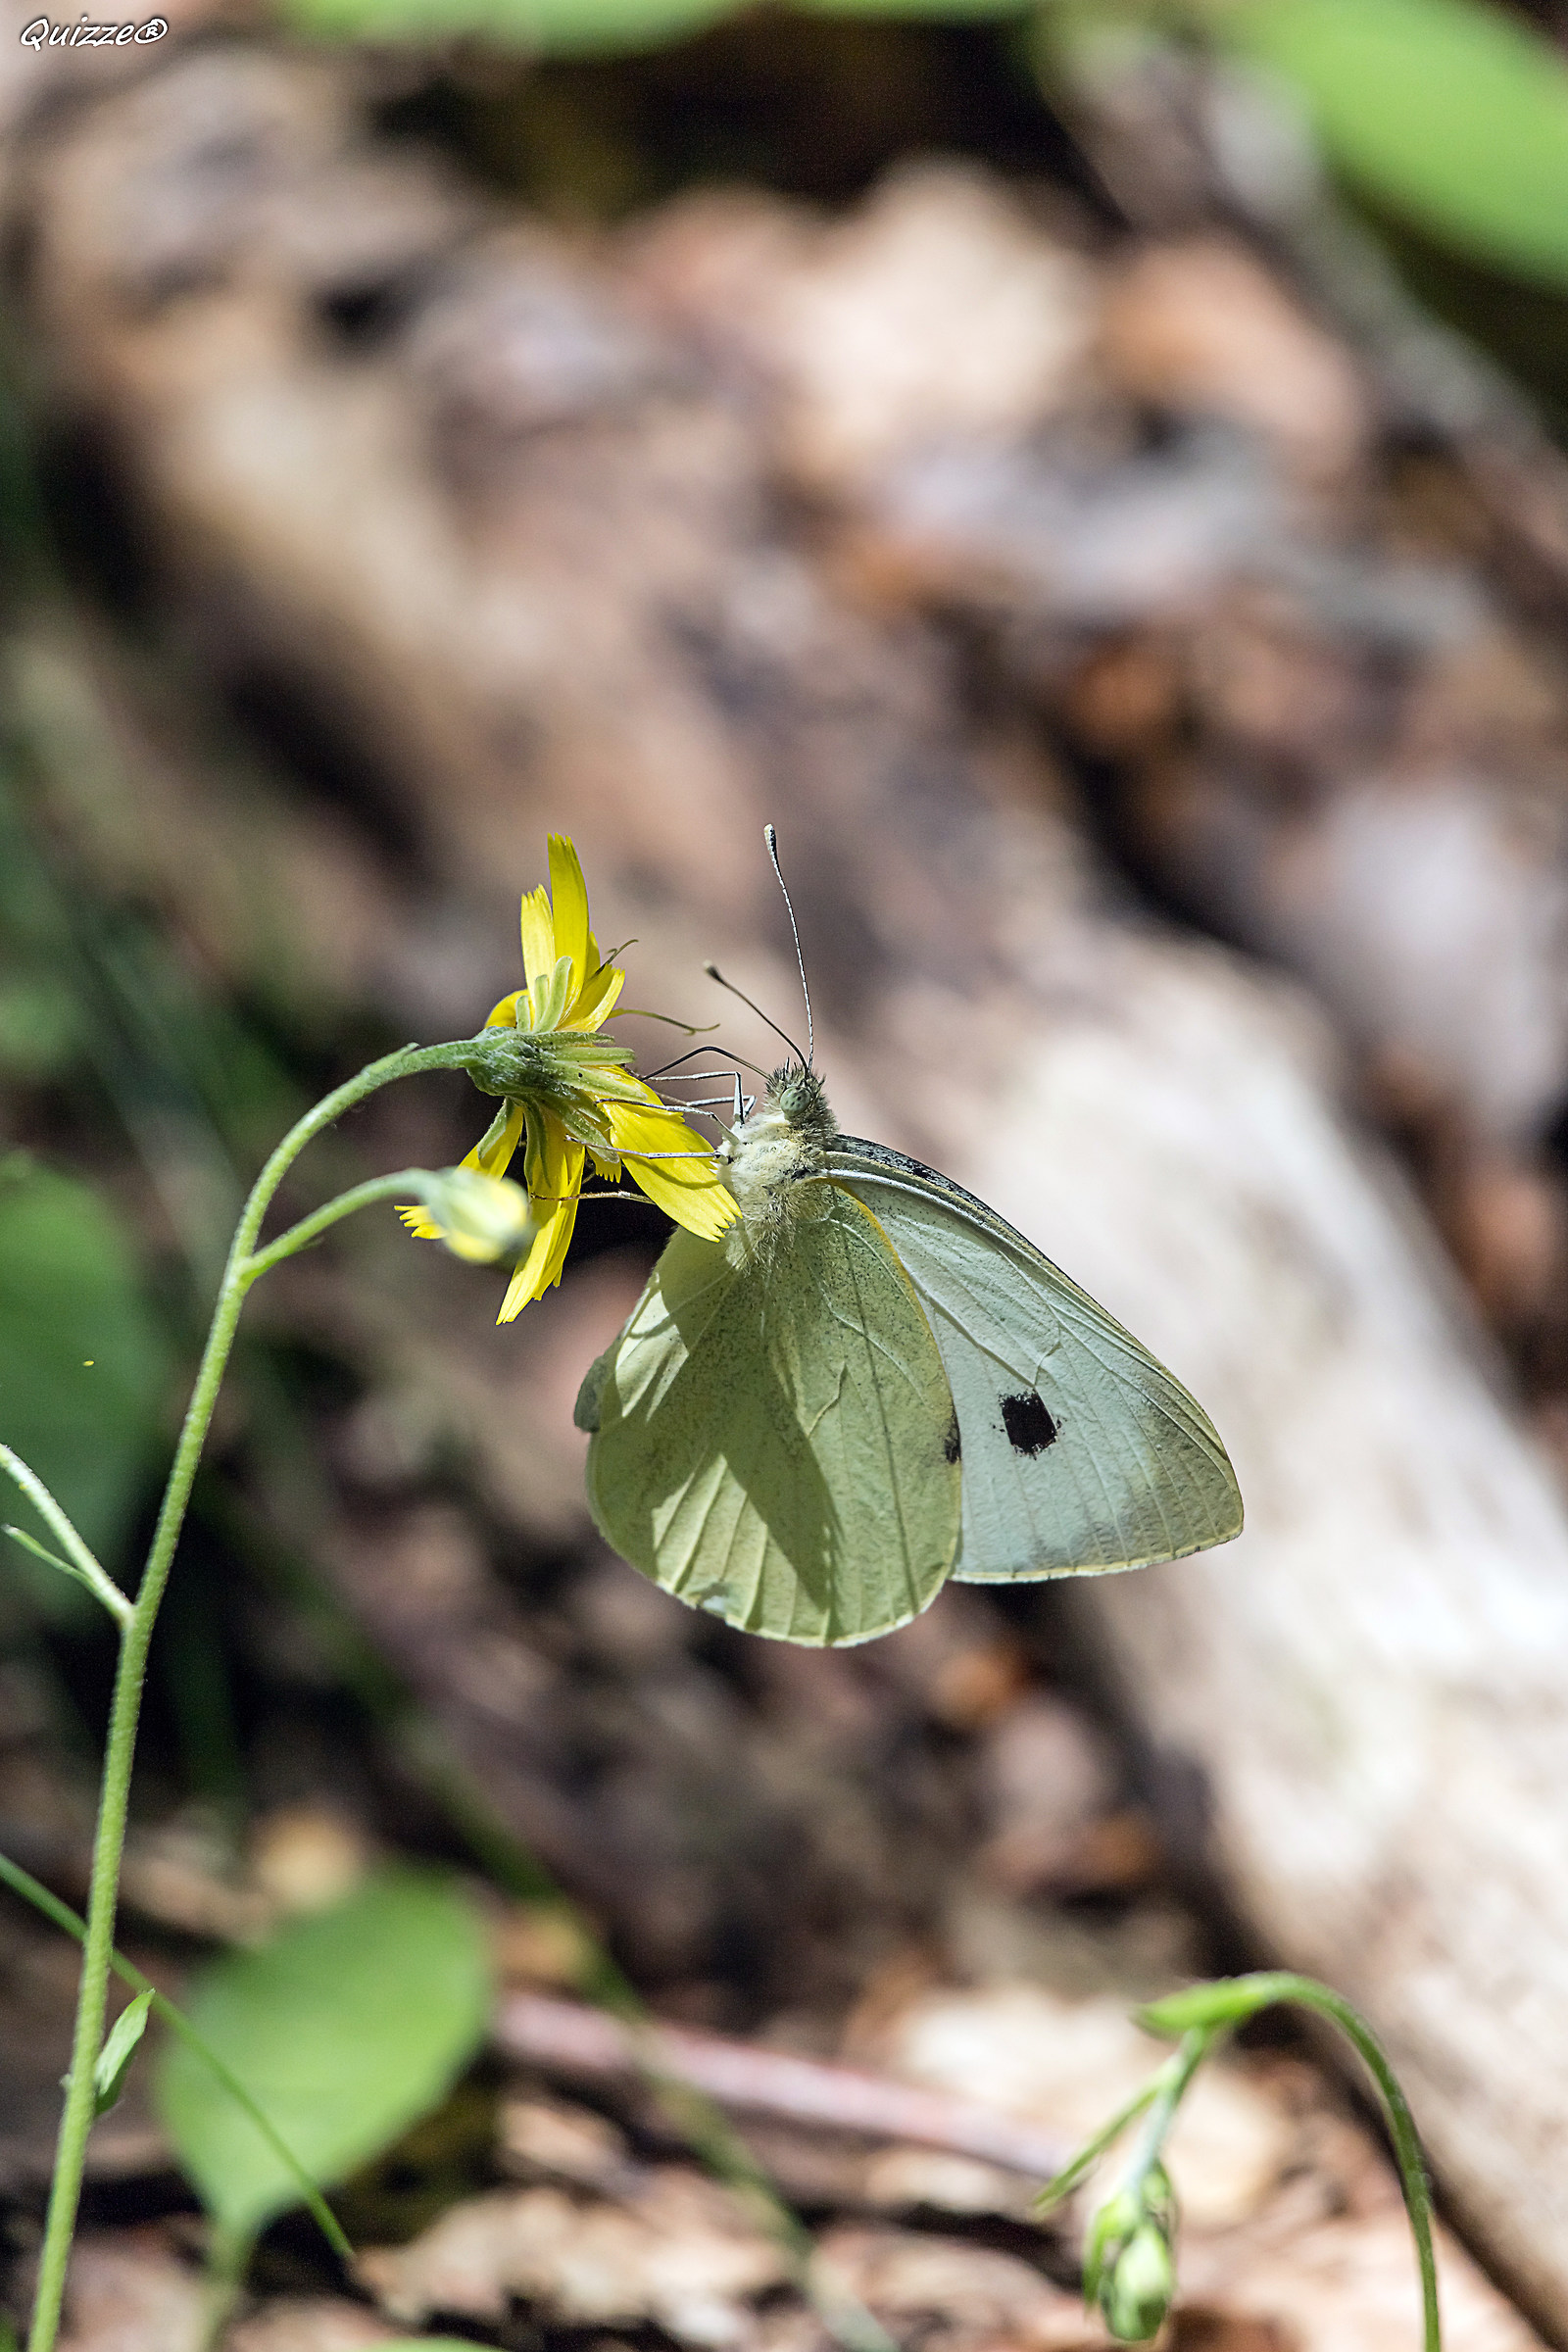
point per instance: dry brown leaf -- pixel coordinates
(304, 1857)
(310, 2323)
(546, 2138)
(952, 2292)
(129, 2291)
(680, 2252)
(938, 311)
(900, 2177)
(1203, 327)
(1045, 1778)
(1349, 2284)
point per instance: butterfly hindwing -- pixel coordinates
(1080, 1451)
(774, 1438)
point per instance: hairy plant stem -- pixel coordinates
(239, 1272)
(1202, 2012)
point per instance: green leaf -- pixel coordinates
(939, 10)
(565, 27)
(1450, 114)
(84, 1361)
(345, 2029)
(113, 2059)
(543, 26)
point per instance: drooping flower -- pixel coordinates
(568, 1095)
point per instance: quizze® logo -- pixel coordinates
(42, 35)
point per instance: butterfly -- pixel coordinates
(871, 1383)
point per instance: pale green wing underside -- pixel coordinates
(776, 1441)
(1127, 1469)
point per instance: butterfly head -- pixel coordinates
(786, 1138)
(797, 1095)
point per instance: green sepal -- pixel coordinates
(113, 2059)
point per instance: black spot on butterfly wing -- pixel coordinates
(1029, 1426)
(951, 1445)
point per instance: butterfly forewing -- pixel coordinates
(1080, 1451)
(774, 1440)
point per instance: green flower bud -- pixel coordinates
(479, 1217)
(1136, 2290)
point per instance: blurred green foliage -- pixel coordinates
(345, 2028)
(580, 28)
(1448, 113)
(549, 26)
(84, 1367)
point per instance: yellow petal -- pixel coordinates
(533, 1276)
(505, 1014)
(418, 1221)
(554, 1171)
(539, 950)
(596, 1001)
(652, 1126)
(683, 1179)
(563, 1235)
(495, 1161)
(702, 1203)
(570, 895)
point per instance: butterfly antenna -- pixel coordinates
(713, 973)
(770, 836)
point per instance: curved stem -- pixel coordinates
(1229, 2001)
(109, 1839)
(311, 1229)
(1169, 2089)
(1282, 1986)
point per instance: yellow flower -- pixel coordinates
(568, 1095)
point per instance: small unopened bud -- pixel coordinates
(1135, 2288)
(479, 1217)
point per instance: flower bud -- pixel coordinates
(1136, 2290)
(479, 1217)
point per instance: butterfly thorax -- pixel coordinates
(785, 1139)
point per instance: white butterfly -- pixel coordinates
(871, 1383)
